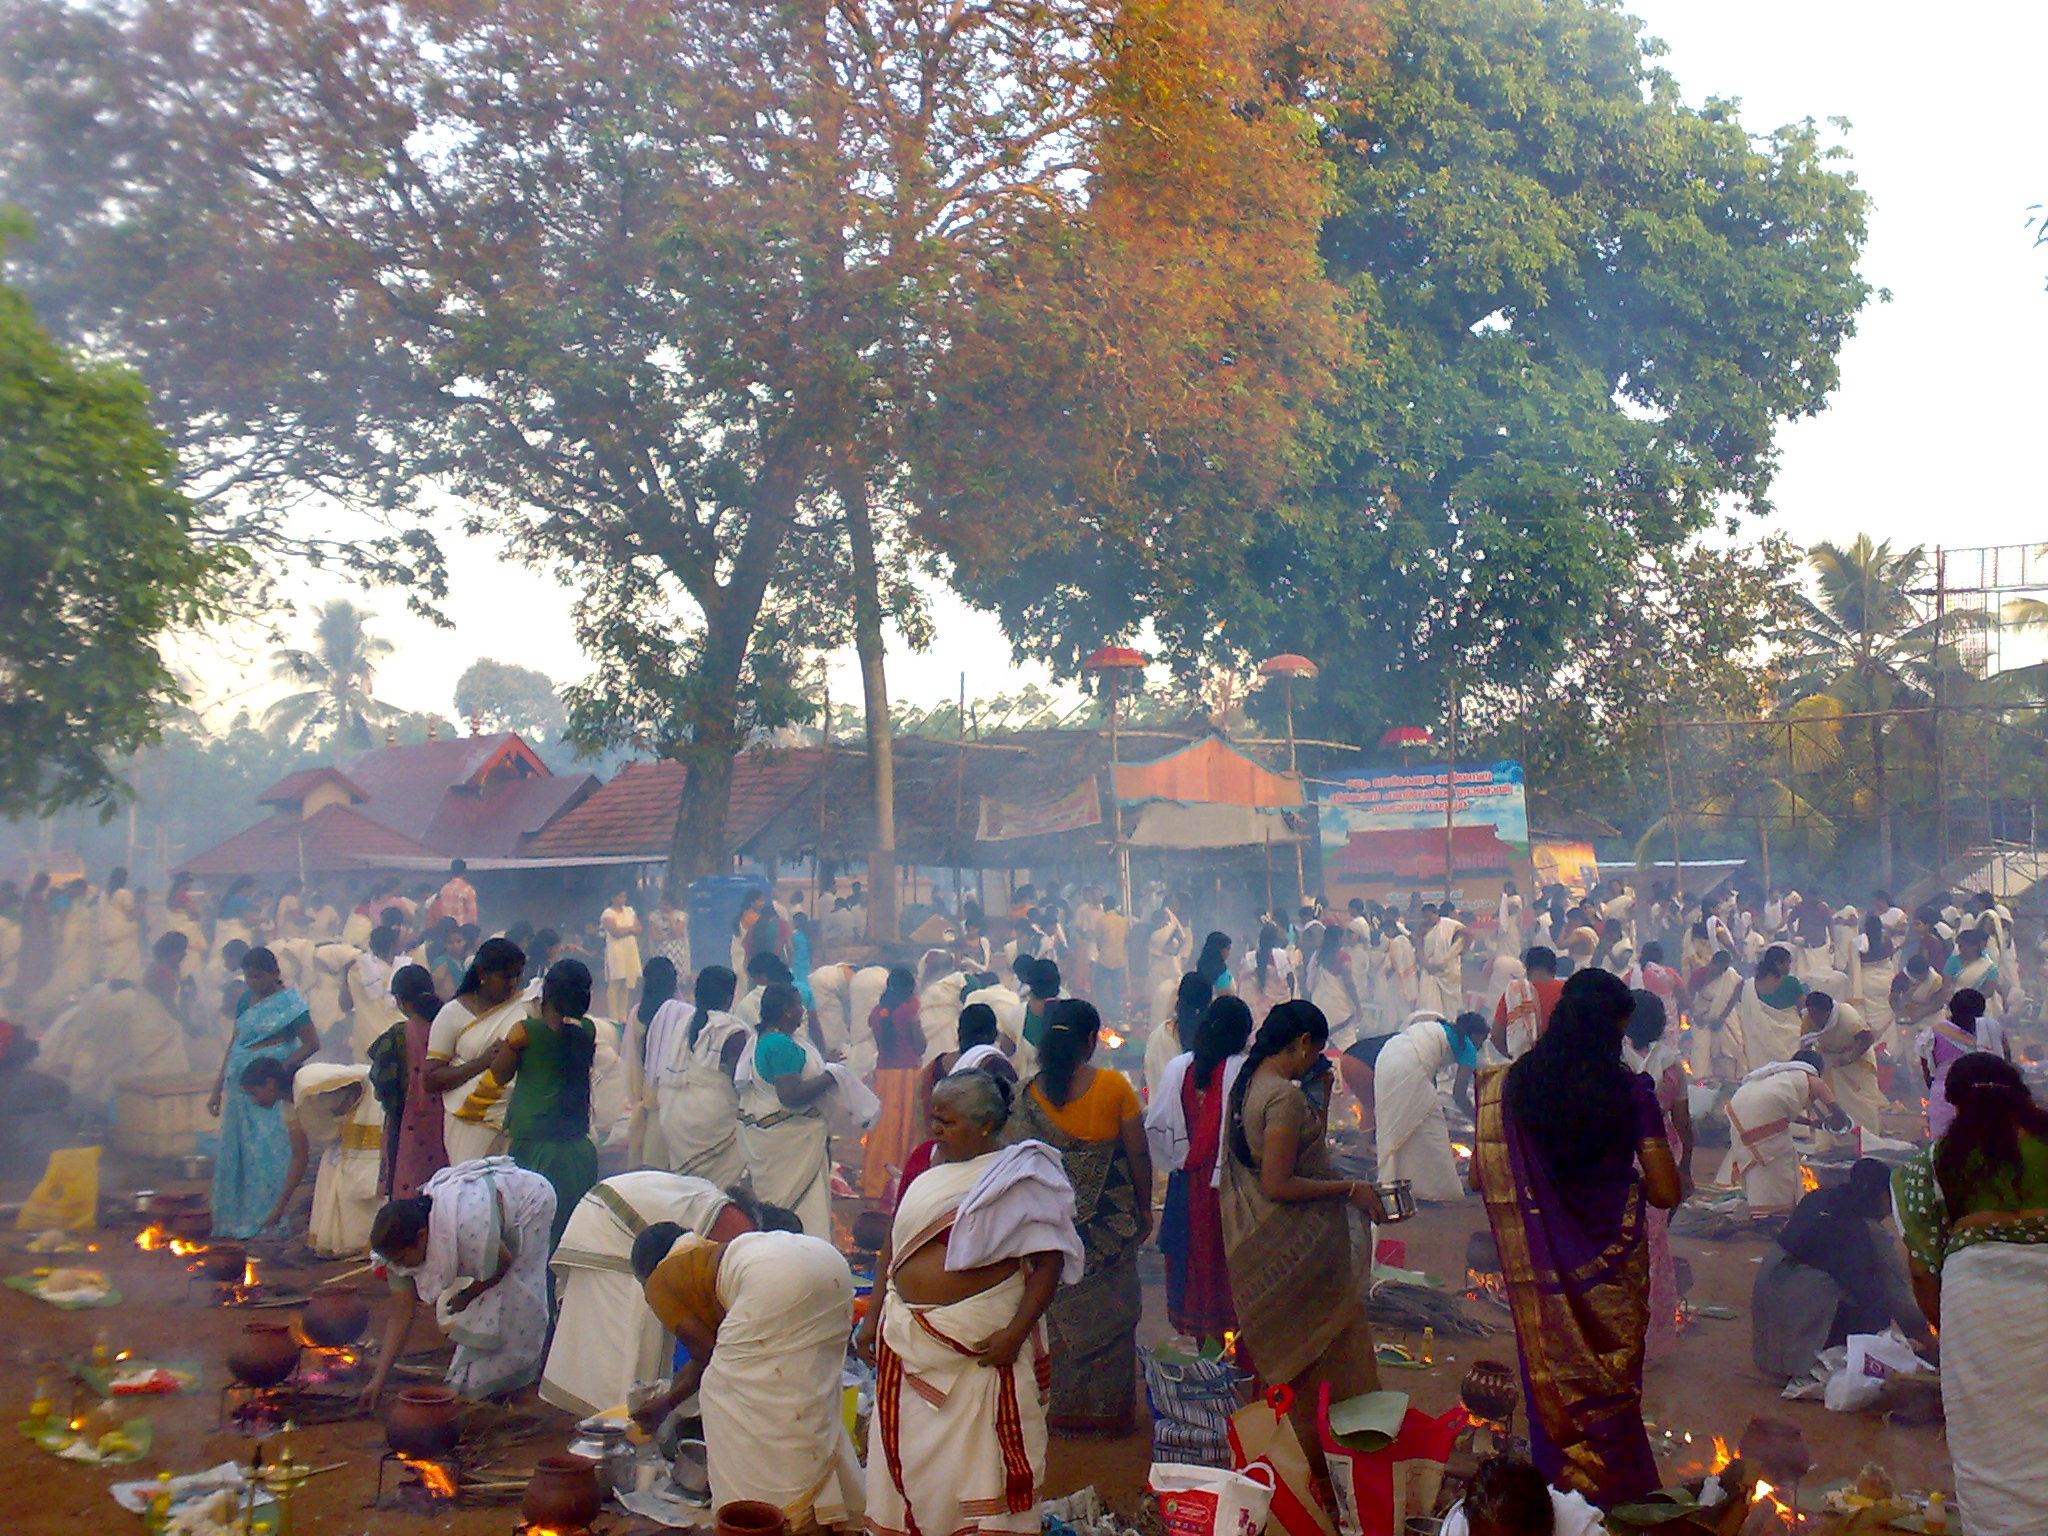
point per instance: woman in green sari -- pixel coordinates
(547, 1060)
(1974, 1212)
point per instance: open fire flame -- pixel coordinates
(1808, 1179)
(1723, 1457)
(438, 1481)
(153, 1238)
(1112, 1039)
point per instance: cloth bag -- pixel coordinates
(1192, 1398)
(1262, 1433)
(67, 1198)
(1386, 1459)
(1209, 1501)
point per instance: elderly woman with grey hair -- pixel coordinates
(981, 1241)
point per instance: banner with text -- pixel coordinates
(1388, 831)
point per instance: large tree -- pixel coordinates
(653, 287)
(97, 565)
(509, 697)
(1589, 307)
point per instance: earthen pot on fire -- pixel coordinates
(225, 1262)
(336, 1315)
(562, 1493)
(426, 1422)
(264, 1354)
(750, 1517)
(190, 1225)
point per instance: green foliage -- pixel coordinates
(507, 697)
(99, 564)
(1588, 307)
(338, 672)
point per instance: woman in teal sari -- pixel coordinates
(271, 1020)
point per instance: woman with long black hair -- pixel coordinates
(1272, 974)
(1571, 1147)
(1089, 1115)
(1184, 1127)
(1974, 1210)
(1299, 1260)
(488, 1001)
(1213, 963)
(693, 1052)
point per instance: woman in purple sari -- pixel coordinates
(1571, 1146)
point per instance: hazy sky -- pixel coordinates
(1924, 441)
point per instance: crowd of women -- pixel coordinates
(463, 1092)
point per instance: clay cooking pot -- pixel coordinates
(336, 1315)
(426, 1422)
(563, 1493)
(1491, 1391)
(749, 1517)
(191, 1225)
(264, 1354)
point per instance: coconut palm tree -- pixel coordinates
(338, 673)
(1864, 641)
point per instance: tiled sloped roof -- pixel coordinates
(497, 823)
(338, 837)
(293, 788)
(407, 785)
(635, 814)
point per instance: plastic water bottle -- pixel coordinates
(1429, 1346)
(1936, 1520)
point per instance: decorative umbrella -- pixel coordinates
(1111, 662)
(1404, 737)
(1287, 666)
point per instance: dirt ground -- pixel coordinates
(1709, 1388)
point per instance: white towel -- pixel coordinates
(1022, 1204)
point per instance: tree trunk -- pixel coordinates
(697, 845)
(1884, 804)
(874, 682)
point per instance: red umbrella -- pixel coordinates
(1288, 664)
(1115, 658)
(1405, 736)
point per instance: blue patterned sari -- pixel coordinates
(255, 1145)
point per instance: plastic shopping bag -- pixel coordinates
(1262, 1432)
(1209, 1501)
(1869, 1363)
(68, 1197)
(1386, 1459)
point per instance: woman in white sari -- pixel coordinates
(605, 1337)
(465, 1039)
(693, 1050)
(342, 1121)
(1877, 963)
(1762, 1154)
(1412, 1137)
(485, 1224)
(784, 1087)
(981, 1241)
(1974, 1213)
(120, 930)
(765, 1318)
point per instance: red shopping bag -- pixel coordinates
(1262, 1434)
(1381, 1480)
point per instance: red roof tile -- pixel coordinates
(406, 786)
(293, 788)
(339, 837)
(635, 814)
(497, 823)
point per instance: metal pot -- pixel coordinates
(605, 1442)
(139, 1202)
(195, 1167)
(1398, 1198)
